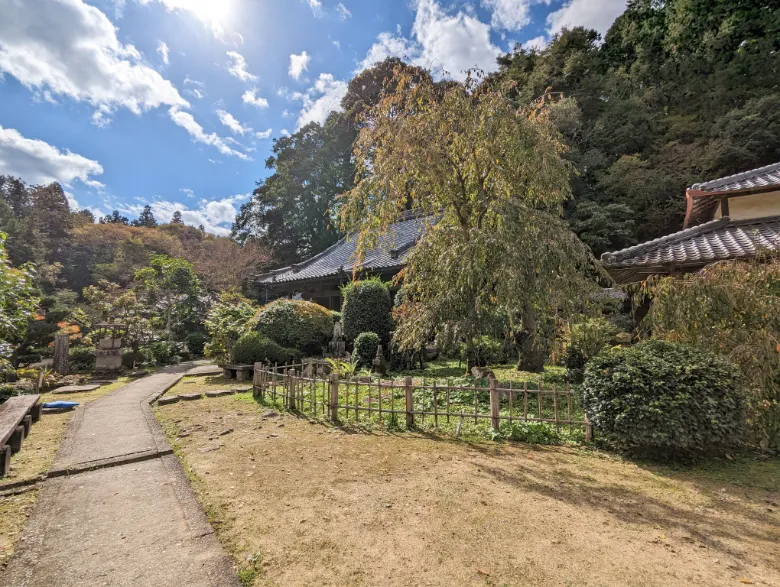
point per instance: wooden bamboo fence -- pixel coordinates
(311, 389)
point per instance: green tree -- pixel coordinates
(492, 182)
(170, 286)
(228, 319)
(18, 302)
(115, 218)
(291, 211)
(146, 219)
(732, 309)
(177, 218)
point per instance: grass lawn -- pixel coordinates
(301, 503)
(35, 459)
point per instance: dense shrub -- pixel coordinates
(366, 344)
(196, 341)
(584, 339)
(162, 352)
(663, 398)
(336, 316)
(367, 308)
(295, 324)
(81, 358)
(254, 347)
(485, 350)
(530, 432)
(132, 359)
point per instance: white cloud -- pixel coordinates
(237, 67)
(163, 50)
(441, 41)
(316, 7)
(71, 49)
(321, 99)
(337, 44)
(511, 15)
(537, 43)
(298, 64)
(194, 88)
(188, 123)
(251, 97)
(284, 132)
(343, 11)
(38, 162)
(266, 134)
(188, 192)
(592, 14)
(216, 216)
(230, 121)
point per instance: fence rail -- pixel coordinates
(311, 388)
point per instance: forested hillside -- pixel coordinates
(676, 92)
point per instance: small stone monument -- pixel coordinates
(338, 345)
(108, 357)
(379, 364)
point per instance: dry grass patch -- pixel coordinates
(299, 503)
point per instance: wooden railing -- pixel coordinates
(311, 389)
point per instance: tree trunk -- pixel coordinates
(531, 354)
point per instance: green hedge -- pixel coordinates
(196, 341)
(366, 344)
(663, 398)
(254, 347)
(367, 308)
(81, 358)
(296, 324)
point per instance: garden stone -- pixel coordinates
(191, 396)
(76, 388)
(482, 373)
(270, 414)
(171, 399)
(219, 392)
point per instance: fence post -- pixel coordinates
(588, 429)
(257, 378)
(494, 404)
(292, 382)
(334, 397)
(409, 403)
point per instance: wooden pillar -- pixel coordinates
(61, 347)
(494, 399)
(334, 397)
(409, 403)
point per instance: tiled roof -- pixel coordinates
(755, 178)
(713, 241)
(390, 253)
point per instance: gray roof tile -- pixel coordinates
(713, 241)
(755, 178)
(390, 253)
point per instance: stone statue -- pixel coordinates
(338, 345)
(379, 364)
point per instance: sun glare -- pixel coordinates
(215, 13)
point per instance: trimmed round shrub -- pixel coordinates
(366, 344)
(367, 308)
(81, 358)
(254, 347)
(196, 341)
(295, 324)
(663, 398)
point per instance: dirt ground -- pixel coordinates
(33, 460)
(299, 503)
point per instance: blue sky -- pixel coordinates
(176, 103)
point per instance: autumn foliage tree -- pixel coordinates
(491, 179)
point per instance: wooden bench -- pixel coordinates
(16, 416)
(240, 372)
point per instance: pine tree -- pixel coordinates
(146, 218)
(177, 218)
